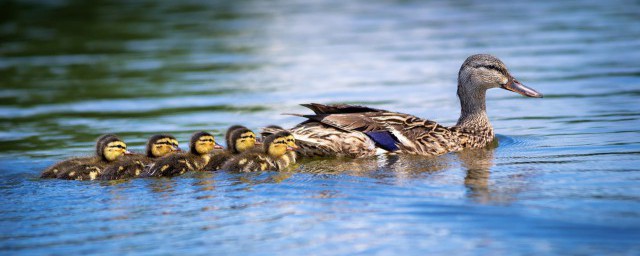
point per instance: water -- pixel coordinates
(564, 178)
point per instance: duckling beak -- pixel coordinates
(127, 152)
(258, 142)
(216, 146)
(177, 149)
(515, 86)
(292, 148)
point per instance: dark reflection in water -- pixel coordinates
(564, 178)
(478, 163)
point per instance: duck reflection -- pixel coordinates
(478, 163)
(254, 178)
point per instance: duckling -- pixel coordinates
(109, 148)
(273, 157)
(359, 131)
(291, 140)
(239, 139)
(132, 165)
(201, 144)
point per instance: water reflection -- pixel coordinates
(477, 163)
(256, 178)
(397, 169)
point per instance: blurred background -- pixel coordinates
(564, 177)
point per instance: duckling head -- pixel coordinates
(291, 142)
(109, 147)
(277, 145)
(481, 72)
(230, 130)
(242, 140)
(202, 143)
(161, 145)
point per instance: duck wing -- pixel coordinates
(338, 108)
(391, 131)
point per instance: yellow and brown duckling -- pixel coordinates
(272, 158)
(291, 140)
(133, 165)
(239, 139)
(109, 148)
(200, 146)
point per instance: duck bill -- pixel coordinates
(177, 149)
(216, 146)
(515, 86)
(127, 152)
(292, 148)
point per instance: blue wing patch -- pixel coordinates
(384, 139)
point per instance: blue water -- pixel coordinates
(564, 179)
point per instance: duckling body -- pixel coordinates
(129, 167)
(109, 148)
(58, 168)
(250, 162)
(272, 158)
(132, 166)
(202, 143)
(239, 139)
(358, 131)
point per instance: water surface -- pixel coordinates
(564, 178)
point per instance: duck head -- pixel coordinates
(278, 144)
(109, 147)
(481, 72)
(161, 145)
(202, 143)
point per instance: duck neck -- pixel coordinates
(473, 110)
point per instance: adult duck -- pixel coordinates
(358, 131)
